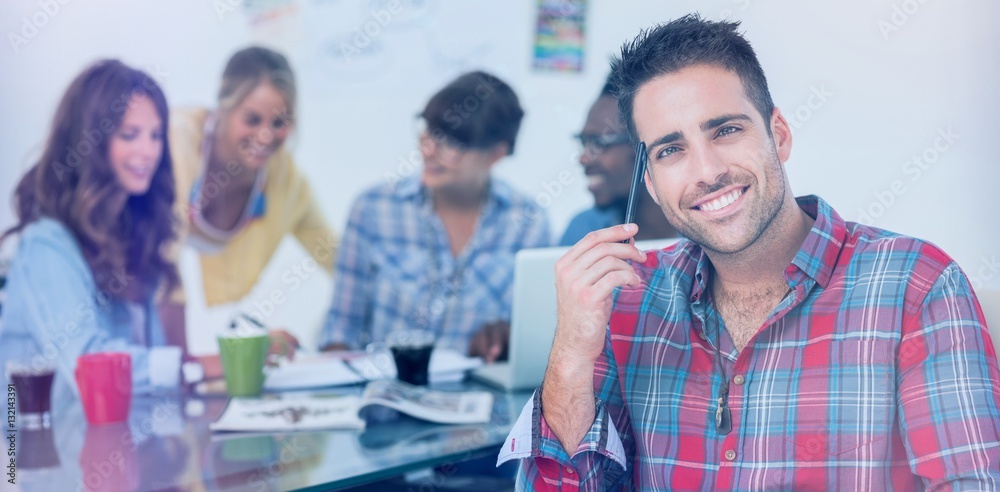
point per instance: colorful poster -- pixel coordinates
(268, 11)
(559, 35)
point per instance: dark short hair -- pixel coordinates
(682, 43)
(476, 110)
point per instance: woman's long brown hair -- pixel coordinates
(123, 238)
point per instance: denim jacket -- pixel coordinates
(53, 311)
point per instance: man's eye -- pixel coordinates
(253, 120)
(667, 151)
(727, 130)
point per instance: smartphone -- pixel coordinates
(637, 173)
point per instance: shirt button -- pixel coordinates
(702, 336)
(730, 455)
(739, 380)
(569, 471)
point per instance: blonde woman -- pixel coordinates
(239, 190)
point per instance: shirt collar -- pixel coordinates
(816, 258)
(819, 252)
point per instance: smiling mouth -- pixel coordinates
(434, 169)
(139, 171)
(595, 181)
(722, 201)
(257, 151)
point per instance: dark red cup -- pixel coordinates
(105, 383)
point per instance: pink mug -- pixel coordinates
(105, 383)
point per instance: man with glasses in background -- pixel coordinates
(434, 251)
(608, 159)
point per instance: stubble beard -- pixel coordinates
(760, 215)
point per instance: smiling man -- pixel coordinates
(779, 347)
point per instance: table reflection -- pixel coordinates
(37, 450)
(167, 445)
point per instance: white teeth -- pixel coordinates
(722, 201)
(595, 180)
(142, 171)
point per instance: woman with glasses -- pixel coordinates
(608, 158)
(435, 252)
(239, 189)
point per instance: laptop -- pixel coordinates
(533, 318)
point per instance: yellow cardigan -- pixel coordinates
(230, 273)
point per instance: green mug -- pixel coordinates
(243, 357)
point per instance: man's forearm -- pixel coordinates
(568, 402)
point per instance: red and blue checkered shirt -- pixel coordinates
(876, 372)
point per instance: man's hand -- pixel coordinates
(491, 341)
(586, 276)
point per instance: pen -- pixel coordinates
(253, 320)
(640, 169)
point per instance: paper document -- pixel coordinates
(325, 412)
(466, 407)
(311, 372)
(290, 414)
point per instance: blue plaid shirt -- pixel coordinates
(395, 269)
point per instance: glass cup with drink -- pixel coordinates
(32, 380)
(411, 351)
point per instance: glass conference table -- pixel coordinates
(167, 445)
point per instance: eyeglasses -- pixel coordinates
(596, 145)
(446, 149)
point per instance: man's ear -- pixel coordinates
(781, 133)
(497, 152)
